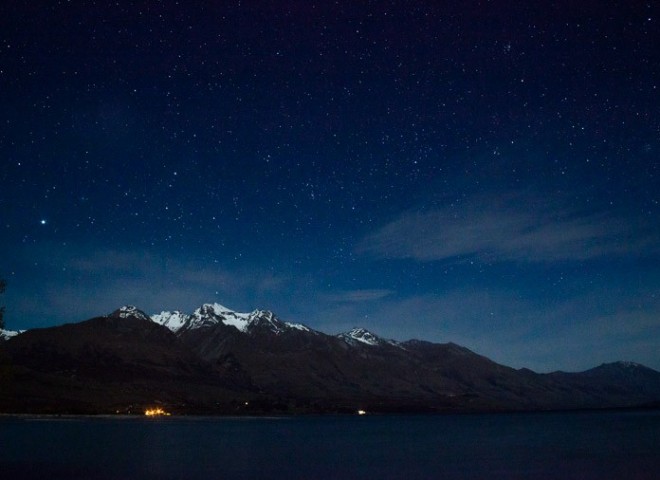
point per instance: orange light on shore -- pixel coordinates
(154, 412)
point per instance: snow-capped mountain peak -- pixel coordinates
(361, 335)
(129, 311)
(206, 316)
(172, 320)
(264, 318)
(212, 314)
(267, 319)
(273, 323)
(214, 309)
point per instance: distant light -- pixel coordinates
(155, 412)
(43, 222)
(361, 412)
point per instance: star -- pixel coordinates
(462, 167)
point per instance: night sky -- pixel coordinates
(482, 172)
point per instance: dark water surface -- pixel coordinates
(602, 445)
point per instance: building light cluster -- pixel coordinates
(154, 412)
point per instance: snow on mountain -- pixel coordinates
(361, 335)
(267, 319)
(211, 314)
(172, 320)
(129, 311)
(299, 326)
(7, 334)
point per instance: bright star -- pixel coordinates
(43, 222)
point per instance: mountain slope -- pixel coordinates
(618, 382)
(217, 360)
(359, 367)
(109, 363)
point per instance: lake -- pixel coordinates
(573, 445)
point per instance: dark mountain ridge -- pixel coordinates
(220, 361)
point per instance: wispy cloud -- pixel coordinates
(357, 296)
(514, 228)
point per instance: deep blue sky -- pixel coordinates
(479, 172)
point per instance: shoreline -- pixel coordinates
(178, 416)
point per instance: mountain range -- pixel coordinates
(218, 361)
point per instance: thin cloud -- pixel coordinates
(358, 296)
(515, 229)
